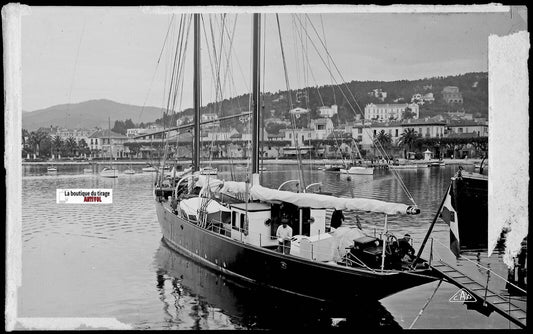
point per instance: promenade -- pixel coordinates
(234, 161)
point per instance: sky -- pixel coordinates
(75, 54)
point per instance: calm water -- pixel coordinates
(109, 261)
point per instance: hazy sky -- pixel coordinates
(74, 54)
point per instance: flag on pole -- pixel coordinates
(449, 215)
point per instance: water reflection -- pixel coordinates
(250, 307)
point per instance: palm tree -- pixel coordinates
(83, 147)
(383, 140)
(408, 138)
(71, 145)
(36, 137)
(58, 144)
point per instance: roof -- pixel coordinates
(106, 134)
(408, 123)
(465, 123)
(388, 105)
(251, 206)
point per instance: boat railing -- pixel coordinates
(491, 277)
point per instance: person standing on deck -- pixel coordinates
(284, 235)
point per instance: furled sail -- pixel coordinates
(310, 200)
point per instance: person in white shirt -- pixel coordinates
(284, 235)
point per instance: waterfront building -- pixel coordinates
(106, 143)
(467, 128)
(276, 120)
(77, 134)
(426, 127)
(218, 134)
(451, 94)
(319, 129)
(386, 112)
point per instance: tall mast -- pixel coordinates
(197, 90)
(255, 94)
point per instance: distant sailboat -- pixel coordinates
(110, 171)
(130, 170)
(358, 170)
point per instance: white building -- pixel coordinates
(136, 131)
(77, 134)
(183, 120)
(379, 94)
(106, 143)
(298, 111)
(209, 117)
(422, 98)
(386, 112)
(468, 127)
(327, 111)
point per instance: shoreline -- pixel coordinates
(237, 161)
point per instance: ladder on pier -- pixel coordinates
(504, 306)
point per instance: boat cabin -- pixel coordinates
(265, 218)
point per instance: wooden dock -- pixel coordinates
(510, 309)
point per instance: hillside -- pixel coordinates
(88, 114)
(473, 86)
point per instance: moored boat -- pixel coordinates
(109, 172)
(208, 171)
(149, 169)
(406, 166)
(231, 227)
(438, 163)
(358, 170)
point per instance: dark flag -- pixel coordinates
(449, 215)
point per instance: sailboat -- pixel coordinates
(109, 171)
(231, 226)
(358, 170)
(130, 170)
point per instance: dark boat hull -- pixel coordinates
(287, 273)
(470, 198)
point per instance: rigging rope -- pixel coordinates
(156, 67)
(300, 171)
(326, 44)
(380, 147)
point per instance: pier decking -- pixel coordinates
(514, 310)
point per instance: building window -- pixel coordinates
(374, 132)
(420, 130)
(396, 133)
(360, 130)
(460, 130)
